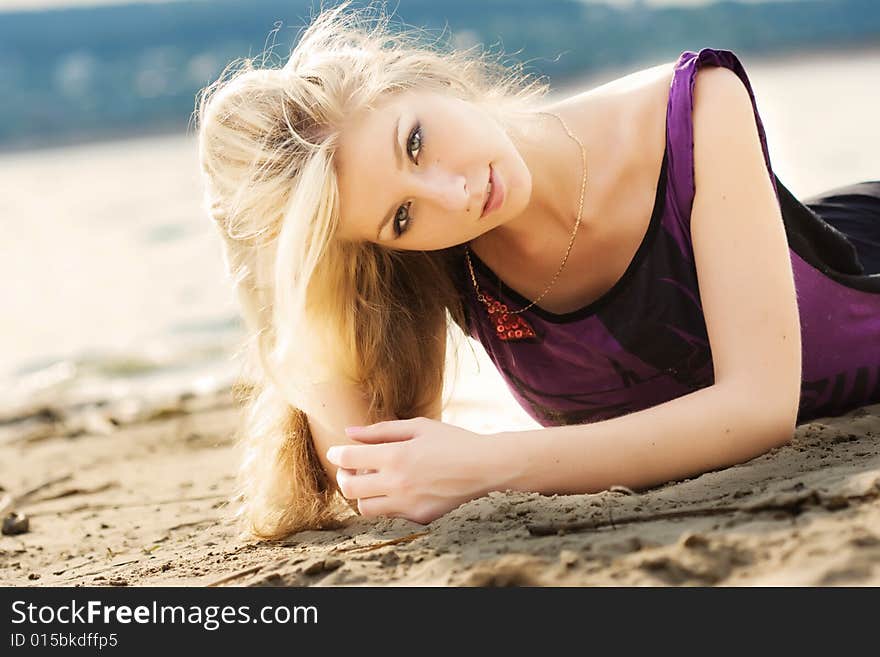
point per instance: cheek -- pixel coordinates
(519, 181)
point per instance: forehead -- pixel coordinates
(362, 129)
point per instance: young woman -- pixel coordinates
(653, 295)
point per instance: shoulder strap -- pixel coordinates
(817, 242)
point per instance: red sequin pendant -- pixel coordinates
(508, 327)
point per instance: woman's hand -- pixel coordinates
(417, 469)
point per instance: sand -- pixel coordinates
(135, 496)
(117, 416)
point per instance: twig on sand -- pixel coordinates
(376, 546)
(191, 523)
(101, 570)
(235, 575)
(793, 505)
(8, 501)
(548, 529)
(70, 492)
(125, 505)
(45, 484)
(182, 525)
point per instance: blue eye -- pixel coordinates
(398, 217)
(413, 143)
(415, 136)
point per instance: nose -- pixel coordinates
(448, 190)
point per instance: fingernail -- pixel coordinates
(333, 454)
(351, 430)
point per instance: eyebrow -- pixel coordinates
(391, 212)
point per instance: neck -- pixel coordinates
(556, 166)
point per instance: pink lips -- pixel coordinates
(496, 197)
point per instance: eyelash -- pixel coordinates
(417, 129)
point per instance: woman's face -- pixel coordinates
(413, 173)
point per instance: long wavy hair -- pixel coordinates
(315, 305)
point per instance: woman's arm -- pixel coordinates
(748, 296)
(336, 403)
(711, 428)
(425, 468)
(749, 303)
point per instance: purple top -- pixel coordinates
(644, 342)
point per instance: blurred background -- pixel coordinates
(112, 282)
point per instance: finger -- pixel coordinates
(353, 486)
(373, 507)
(385, 432)
(357, 457)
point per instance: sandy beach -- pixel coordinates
(132, 497)
(118, 407)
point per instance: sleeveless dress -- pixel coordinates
(645, 342)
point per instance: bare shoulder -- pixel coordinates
(646, 79)
(625, 91)
(630, 112)
(650, 100)
(718, 85)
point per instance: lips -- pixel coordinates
(495, 196)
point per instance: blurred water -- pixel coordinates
(117, 271)
(113, 282)
(80, 71)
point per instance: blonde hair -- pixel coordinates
(267, 138)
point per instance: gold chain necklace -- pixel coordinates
(570, 242)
